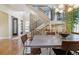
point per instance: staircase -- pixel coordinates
(40, 20)
(38, 13)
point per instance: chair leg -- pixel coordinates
(67, 52)
(76, 53)
(23, 51)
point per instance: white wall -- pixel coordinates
(4, 28)
(17, 14)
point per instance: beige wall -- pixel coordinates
(4, 28)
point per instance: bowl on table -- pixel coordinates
(64, 35)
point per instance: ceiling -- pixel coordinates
(23, 7)
(16, 7)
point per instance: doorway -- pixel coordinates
(14, 26)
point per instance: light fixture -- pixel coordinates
(61, 6)
(70, 9)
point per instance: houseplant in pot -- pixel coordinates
(70, 20)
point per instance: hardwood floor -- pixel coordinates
(8, 47)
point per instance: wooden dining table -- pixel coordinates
(51, 41)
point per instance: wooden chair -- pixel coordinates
(24, 38)
(64, 49)
(71, 46)
(33, 50)
(50, 33)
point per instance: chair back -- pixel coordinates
(24, 38)
(65, 45)
(50, 33)
(70, 45)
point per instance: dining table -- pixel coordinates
(45, 41)
(51, 41)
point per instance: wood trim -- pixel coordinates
(75, 33)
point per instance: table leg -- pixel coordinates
(49, 51)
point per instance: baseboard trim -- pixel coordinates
(1, 38)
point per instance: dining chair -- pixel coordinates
(34, 51)
(64, 50)
(24, 38)
(50, 33)
(72, 46)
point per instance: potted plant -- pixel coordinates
(71, 19)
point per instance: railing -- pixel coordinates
(36, 24)
(39, 31)
(46, 12)
(39, 13)
(40, 21)
(40, 9)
